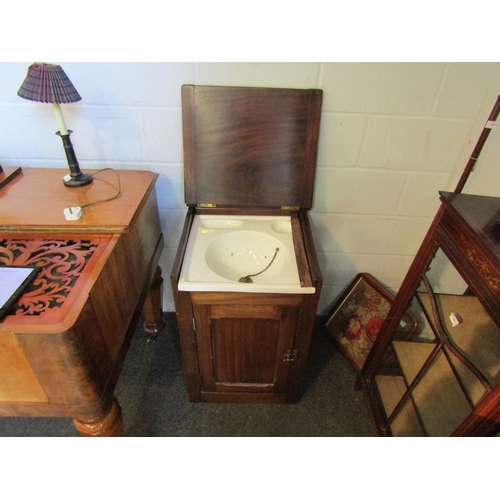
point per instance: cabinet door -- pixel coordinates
(446, 373)
(244, 348)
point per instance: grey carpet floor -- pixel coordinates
(154, 401)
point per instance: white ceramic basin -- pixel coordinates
(241, 253)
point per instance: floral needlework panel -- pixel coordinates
(358, 320)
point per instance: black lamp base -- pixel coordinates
(76, 178)
(79, 180)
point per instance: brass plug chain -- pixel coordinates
(248, 277)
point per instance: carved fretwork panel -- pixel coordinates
(62, 262)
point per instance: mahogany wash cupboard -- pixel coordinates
(249, 151)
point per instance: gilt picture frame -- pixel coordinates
(357, 317)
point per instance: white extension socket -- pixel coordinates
(72, 213)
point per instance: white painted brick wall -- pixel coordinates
(392, 136)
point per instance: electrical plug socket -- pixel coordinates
(72, 213)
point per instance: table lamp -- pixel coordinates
(49, 83)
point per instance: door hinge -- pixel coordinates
(206, 205)
(290, 207)
(194, 324)
(291, 355)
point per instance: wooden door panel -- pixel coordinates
(246, 311)
(245, 350)
(242, 349)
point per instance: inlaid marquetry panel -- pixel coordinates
(484, 265)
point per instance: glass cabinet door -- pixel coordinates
(443, 359)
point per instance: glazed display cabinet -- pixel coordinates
(445, 379)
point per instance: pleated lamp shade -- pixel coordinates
(48, 83)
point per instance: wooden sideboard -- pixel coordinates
(63, 345)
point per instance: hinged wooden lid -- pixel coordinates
(250, 147)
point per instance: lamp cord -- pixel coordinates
(118, 189)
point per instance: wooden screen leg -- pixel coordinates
(152, 308)
(108, 425)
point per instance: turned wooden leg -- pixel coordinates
(152, 309)
(108, 425)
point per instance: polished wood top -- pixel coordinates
(35, 199)
(480, 213)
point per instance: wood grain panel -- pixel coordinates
(250, 146)
(245, 351)
(17, 380)
(246, 311)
